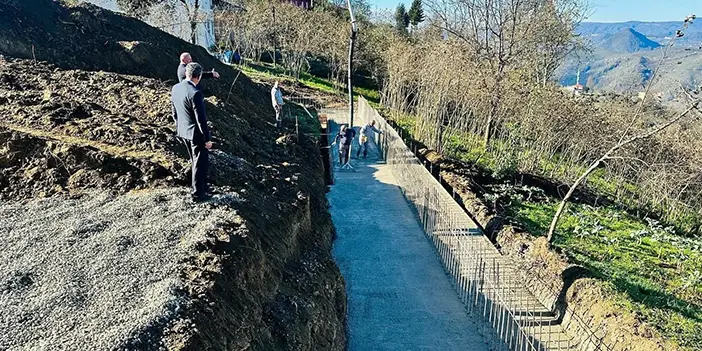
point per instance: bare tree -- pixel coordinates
(627, 137)
(501, 33)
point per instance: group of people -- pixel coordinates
(346, 135)
(188, 110)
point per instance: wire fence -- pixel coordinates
(489, 285)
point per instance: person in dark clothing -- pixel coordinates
(188, 107)
(237, 57)
(185, 59)
(344, 139)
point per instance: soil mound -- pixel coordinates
(93, 122)
(89, 38)
(116, 130)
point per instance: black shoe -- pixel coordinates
(201, 198)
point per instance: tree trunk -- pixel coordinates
(487, 133)
(561, 207)
(494, 107)
(275, 38)
(193, 22)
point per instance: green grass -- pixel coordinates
(651, 271)
(307, 125)
(268, 72)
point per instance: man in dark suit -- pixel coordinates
(188, 108)
(185, 59)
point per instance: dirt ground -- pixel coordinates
(96, 118)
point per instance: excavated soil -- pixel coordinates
(93, 181)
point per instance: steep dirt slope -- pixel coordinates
(261, 278)
(87, 37)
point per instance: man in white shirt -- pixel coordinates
(277, 100)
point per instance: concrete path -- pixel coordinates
(399, 297)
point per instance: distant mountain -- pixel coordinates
(657, 31)
(624, 56)
(629, 41)
(605, 71)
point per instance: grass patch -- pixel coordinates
(307, 125)
(266, 71)
(655, 273)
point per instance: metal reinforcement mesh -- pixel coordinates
(486, 282)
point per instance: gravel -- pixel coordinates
(91, 273)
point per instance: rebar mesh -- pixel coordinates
(486, 282)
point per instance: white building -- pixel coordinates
(177, 20)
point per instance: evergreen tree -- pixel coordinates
(416, 13)
(402, 18)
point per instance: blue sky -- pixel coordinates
(616, 10)
(642, 10)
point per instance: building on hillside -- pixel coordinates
(177, 22)
(236, 5)
(577, 89)
(642, 95)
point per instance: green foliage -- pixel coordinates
(266, 71)
(402, 18)
(653, 272)
(416, 13)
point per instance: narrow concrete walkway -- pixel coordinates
(399, 297)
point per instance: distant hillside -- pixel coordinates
(606, 71)
(656, 31)
(624, 56)
(628, 41)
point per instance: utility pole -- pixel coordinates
(352, 41)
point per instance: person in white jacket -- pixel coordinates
(277, 100)
(367, 133)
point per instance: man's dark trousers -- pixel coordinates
(363, 146)
(199, 157)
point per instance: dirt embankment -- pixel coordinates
(261, 278)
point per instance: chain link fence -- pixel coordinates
(489, 285)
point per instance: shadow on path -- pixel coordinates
(399, 296)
